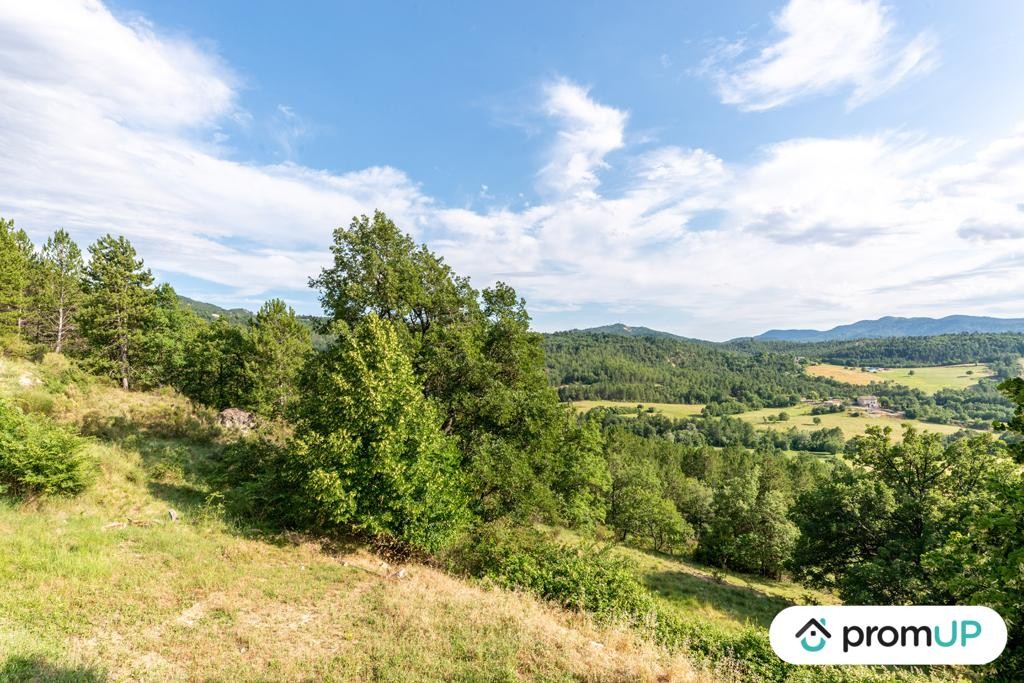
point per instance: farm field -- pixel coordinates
(800, 417)
(668, 409)
(927, 379)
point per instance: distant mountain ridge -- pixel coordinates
(891, 326)
(632, 331)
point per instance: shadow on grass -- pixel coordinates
(23, 669)
(743, 603)
(186, 472)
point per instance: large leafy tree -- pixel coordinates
(981, 561)
(866, 531)
(215, 373)
(16, 261)
(369, 451)
(749, 529)
(476, 358)
(278, 347)
(58, 294)
(169, 338)
(118, 308)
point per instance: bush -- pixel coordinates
(35, 401)
(59, 372)
(587, 578)
(38, 457)
(253, 476)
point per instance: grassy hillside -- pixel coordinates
(107, 586)
(927, 379)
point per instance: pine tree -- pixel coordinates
(15, 267)
(58, 293)
(119, 305)
(278, 348)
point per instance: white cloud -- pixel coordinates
(825, 45)
(589, 132)
(810, 232)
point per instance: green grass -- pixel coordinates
(668, 409)
(927, 379)
(800, 417)
(105, 586)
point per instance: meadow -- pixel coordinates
(927, 379)
(801, 418)
(675, 410)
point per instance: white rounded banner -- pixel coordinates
(854, 634)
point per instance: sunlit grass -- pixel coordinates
(927, 379)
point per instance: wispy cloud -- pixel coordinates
(588, 132)
(824, 46)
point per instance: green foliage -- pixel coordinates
(864, 532)
(215, 373)
(40, 458)
(369, 452)
(477, 360)
(1014, 390)
(981, 560)
(58, 293)
(749, 529)
(588, 578)
(639, 506)
(614, 367)
(118, 308)
(900, 352)
(278, 346)
(16, 261)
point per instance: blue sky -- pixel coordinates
(713, 169)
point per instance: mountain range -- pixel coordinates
(891, 326)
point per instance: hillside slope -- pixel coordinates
(107, 586)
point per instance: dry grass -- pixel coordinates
(107, 587)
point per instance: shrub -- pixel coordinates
(38, 457)
(586, 578)
(35, 401)
(59, 372)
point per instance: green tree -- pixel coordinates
(59, 295)
(169, 337)
(865, 532)
(278, 347)
(981, 561)
(750, 530)
(118, 308)
(215, 372)
(15, 267)
(369, 452)
(476, 358)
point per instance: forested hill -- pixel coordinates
(891, 326)
(241, 316)
(995, 349)
(586, 365)
(633, 331)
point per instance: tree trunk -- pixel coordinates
(60, 330)
(124, 367)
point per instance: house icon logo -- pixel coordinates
(817, 630)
